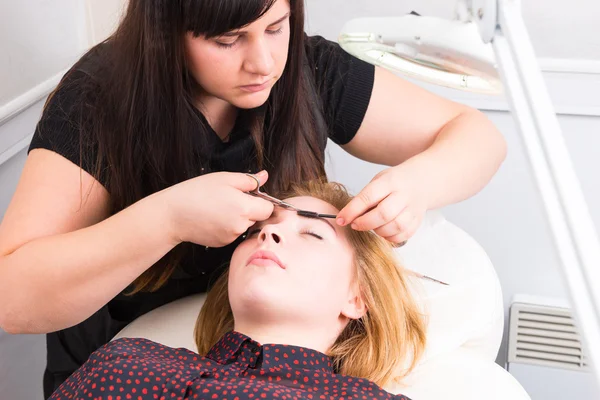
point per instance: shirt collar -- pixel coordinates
(233, 345)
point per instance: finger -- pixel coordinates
(404, 235)
(368, 198)
(258, 209)
(402, 223)
(386, 211)
(247, 183)
(398, 240)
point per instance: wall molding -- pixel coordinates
(16, 107)
(15, 149)
(574, 87)
(574, 66)
(29, 98)
(23, 102)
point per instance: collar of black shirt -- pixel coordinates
(236, 347)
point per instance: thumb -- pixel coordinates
(247, 183)
(367, 199)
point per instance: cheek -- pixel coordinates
(240, 255)
(209, 68)
(328, 267)
(281, 54)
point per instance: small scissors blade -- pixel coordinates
(274, 200)
(431, 279)
(310, 214)
(258, 193)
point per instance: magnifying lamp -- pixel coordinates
(487, 49)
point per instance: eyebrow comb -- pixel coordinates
(313, 214)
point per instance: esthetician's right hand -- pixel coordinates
(214, 209)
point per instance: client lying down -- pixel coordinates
(307, 310)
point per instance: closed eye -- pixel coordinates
(228, 45)
(253, 232)
(276, 31)
(311, 233)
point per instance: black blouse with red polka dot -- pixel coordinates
(237, 367)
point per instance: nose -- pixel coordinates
(270, 233)
(259, 60)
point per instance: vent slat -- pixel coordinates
(553, 313)
(550, 334)
(547, 326)
(546, 336)
(550, 357)
(549, 349)
(553, 319)
(548, 341)
(549, 363)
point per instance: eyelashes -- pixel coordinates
(230, 45)
(302, 232)
(313, 234)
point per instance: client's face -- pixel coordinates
(293, 268)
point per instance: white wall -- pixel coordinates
(558, 29)
(103, 17)
(40, 38)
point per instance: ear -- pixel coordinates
(355, 307)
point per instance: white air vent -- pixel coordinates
(544, 335)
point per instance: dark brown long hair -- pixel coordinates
(139, 111)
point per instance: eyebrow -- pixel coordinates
(319, 219)
(276, 212)
(239, 33)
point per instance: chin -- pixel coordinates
(260, 300)
(251, 100)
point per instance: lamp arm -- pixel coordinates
(575, 238)
(484, 13)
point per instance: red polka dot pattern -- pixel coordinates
(236, 368)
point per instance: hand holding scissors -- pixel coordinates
(214, 209)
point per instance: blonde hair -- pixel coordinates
(385, 343)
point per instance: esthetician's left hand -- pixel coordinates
(391, 204)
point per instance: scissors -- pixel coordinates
(303, 213)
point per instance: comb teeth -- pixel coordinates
(308, 214)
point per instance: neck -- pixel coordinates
(220, 114)
(310, 337)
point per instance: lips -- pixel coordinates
(265, 258)
(256, 87)
(257, 84)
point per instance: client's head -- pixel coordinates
(308, 282)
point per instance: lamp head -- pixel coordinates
(439, 51)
